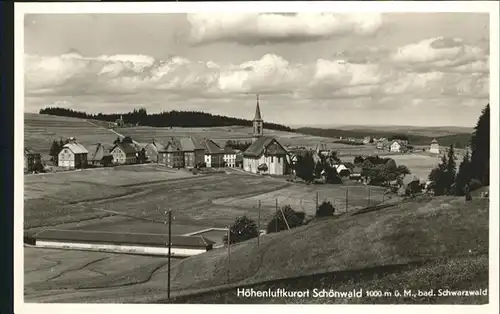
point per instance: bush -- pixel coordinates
(293, 218)
(326, 209)
(242, 229)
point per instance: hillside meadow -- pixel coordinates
(425, 244)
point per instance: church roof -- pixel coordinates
(260, 146)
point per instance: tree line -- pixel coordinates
(164, 119)
(474, 169)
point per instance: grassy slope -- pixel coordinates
(41, 130)
(447, 234)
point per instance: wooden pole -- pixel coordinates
(228, 253)
(169, 248)
(369, 196)
(276, 215)
(258, 235)
(317, 200)
(346, 199)
(383, 197)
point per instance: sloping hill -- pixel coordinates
(423, 244)
(40, 130)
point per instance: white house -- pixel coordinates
(229, 157)
(73, 155)
(434, 149)
(214, 155)
(397, 146)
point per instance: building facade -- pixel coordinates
(434, 149)
(151, 150)
(171, 155)
(214, 155)
(73, 156)
(30, 159)
(124, 154)
(229, 157)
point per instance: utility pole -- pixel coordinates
(369, 196)
(317, 200)
(276, 215)
(228, 253)
(258, 234)
(346, 199)
(169, 248)
(383, 197)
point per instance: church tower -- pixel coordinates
(258, 123)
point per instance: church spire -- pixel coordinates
(258, 123)
(257, 111)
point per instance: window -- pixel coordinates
(272, 158)
(279, 159)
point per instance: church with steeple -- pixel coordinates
(265, 155)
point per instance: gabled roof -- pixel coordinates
(29, 151)
(229, 150)
(87, 236)
(434, 141)
(189, 144)
(76, 148)
(210, 147)
(127, 148)
(259, 147)
(409, 178)
(97, 152)
(152, 145)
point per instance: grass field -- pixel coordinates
(424, 244)
(143, 192)
(41, 130)
(419, 164)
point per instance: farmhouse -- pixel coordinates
(229, 157)
(99, 155)
(172, 155)
(434, 149)
(194, 153)
(124, 154)
(214, 155)
(151, 151)
(265, 154)
(367, 140)
(397, 146)
(30, 159)
(131, 243)
(182, 152)
(73, 155)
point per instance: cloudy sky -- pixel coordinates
(308, 68)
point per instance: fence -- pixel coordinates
(344, 199)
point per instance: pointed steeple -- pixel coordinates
(257, 111)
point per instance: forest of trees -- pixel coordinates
(163, 119)
(473, 171)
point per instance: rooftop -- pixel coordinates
(87, 236)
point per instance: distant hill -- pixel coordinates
(186, 119)
(459, 140)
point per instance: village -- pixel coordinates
(265, 155)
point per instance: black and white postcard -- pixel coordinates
(277, 153)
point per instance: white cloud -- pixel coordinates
(445, 54)
(264, 28)
(150, 80)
